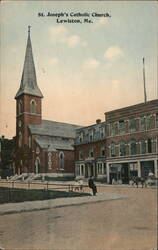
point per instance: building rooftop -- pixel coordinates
(53, 128)
(54, 144)
(133, 110)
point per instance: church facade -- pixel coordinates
(41, 146)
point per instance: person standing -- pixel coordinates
(92, 185)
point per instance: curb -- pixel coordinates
(30, 206)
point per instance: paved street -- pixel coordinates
(120, 224)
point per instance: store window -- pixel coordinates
(100, 168)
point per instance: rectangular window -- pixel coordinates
(91, 152)
(80, 155)
(142, 123)
(91, 135)
(113, 153)
(143, 147)
(102, 132)
(132, 125)
(149, 122)
(81, 137)
(122, 149)
(102, 150)
(122, 127)
(149, 144)
(112, 129)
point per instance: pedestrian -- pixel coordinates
(92, 185)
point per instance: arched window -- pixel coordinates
(20, 107)
(49, 160)
(33, 107)
(133, 147)
(61, 160)
(37, 165)
(20, 139)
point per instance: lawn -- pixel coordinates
(10, 195)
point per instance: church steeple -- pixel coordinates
(28, 83)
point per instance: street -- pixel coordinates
(123, 224)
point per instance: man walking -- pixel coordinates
(92, 185)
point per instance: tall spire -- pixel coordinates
(28, 83)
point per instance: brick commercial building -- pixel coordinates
(90, 155)
(132, 141)
(41, 146)
(129, 146)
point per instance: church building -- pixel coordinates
(42, 146)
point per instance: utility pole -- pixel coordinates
(145, 97)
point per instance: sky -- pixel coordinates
(83, 69)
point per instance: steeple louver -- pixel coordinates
(28, 83)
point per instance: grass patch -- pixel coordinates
(9, 195)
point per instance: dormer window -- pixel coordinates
(33, 107)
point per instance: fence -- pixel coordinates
(21, 191)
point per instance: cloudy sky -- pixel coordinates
(83, 69)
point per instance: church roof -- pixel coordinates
(28, 83)
(53, 128)
(54, 144)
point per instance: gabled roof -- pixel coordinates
(54, 144)
(53, 128)
(28, 83)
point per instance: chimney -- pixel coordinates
(98, 121)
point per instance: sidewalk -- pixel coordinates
(11, 208)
